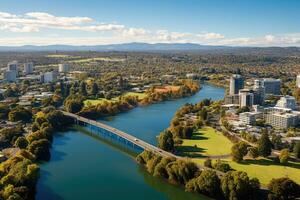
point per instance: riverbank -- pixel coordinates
(127, 102)
(99, 174)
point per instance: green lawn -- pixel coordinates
(97, 59)
(265, 169)
(101, 100)
(96, 101)
(210, 142)
(206, 142)
(139, 95)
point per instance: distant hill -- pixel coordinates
(162, 47)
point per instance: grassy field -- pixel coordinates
(265, 169)
(210, 143)
(62, 56)
(206, 142)
(97, 59)
(165, 89)
(101, 100)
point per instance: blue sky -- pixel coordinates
(215, 22)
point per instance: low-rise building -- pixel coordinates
(282, 120)
(168, 77)
(287, 102)
(43, 95)
(248, 118)
(192, 76)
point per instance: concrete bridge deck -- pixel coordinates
(144, 145)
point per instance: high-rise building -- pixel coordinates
(259, 93)
(271, 85)
(236, 83)
(63, 68)
(298, 81)
(287, 102)
(49, 77)
(28, 68)
(246, 97)
(12, 66)
(232, 99)
(10, 75)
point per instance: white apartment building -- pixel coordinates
(12, 66)
(287, 102)
(49, 77)
(246, 98)
(28, 68)
(298, 81)
(247, 118)
(63, 68)
(10, 75)
(282, 120)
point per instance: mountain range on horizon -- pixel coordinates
(156, 47)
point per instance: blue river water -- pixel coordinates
(84, 167)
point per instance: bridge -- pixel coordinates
(101, 128)
(138, 144)
(135, 143)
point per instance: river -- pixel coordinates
(82, 167)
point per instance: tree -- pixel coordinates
(73, 103)
(58, 120)
(19, 114)
(237, 185)
(276, 141)
(180, 172)
(21, 142)
(284, 155)
(264, 145)
(297, 150)
(82, 88)
(221, 166)
(238, 151)
(4, 110)
(207, 163)
(253, 152)
(243, 109)
(94, 89)
(208, 183)
(283, 189)
(165, 141)
(203, 114)
(40, 148)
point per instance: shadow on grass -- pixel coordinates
(269, 162)
(199, 136)
(191, 151)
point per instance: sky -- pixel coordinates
(96, 22)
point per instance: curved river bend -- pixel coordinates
(82, 167)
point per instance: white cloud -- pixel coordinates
(107, 33)
(137, 32)
(270, 38)
(208, 36)
(34, 21)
